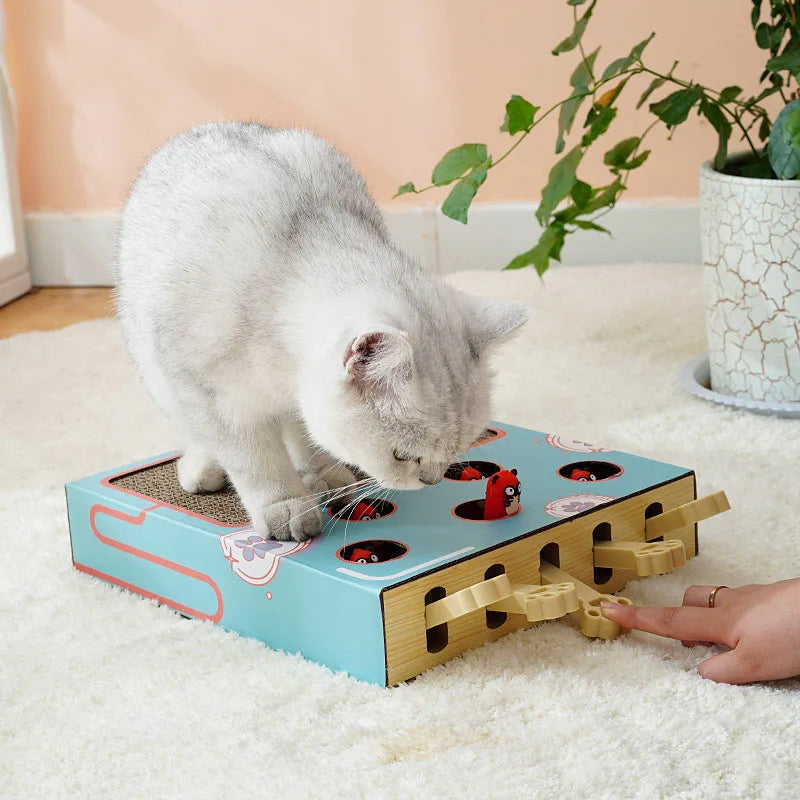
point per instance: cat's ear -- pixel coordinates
(380, 361)
(493, 321)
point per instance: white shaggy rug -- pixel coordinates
(105, 695)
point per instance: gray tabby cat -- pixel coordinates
(284, 334)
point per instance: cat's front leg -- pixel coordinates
(319, 471)
(199, 472)
(278, 503)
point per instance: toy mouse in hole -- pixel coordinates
(503, 491)
(363, 555)
(582, 475)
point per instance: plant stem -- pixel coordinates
(738, 120)
(705, 89)
(754, 109)
(624, 181)
(537, 121)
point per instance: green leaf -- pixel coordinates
(457, 203)
(567, 112)
(675, 107)
(784, 142)
(598, 122)
(769, 90)
(576, 2)
(791, 130)
(588, 225)
(615, 67)
(637, 51)
(621, 64)
(604, 197)
(758, 168)
(549, 246)
(582, 76)
(729, 93)
(655, 84)
(572, 41)
(789, 61)
(405, 189)
(713, 113)
(457, 161)
(635, 162)
(559, 184)
(581, 193)
(776, 36)
(764, 129)
(755, 13)
(621, 152)
(519, 115)
(762, 36)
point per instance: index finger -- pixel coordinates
(686, 623)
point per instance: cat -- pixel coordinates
(285, 336)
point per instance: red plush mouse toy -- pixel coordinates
(582, 475)
(469, 474)
(503, 491)
(364, 511)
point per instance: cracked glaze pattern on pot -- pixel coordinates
(751, 260)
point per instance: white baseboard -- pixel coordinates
(78, 249)
(72, 249)
(14, 287)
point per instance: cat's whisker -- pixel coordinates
(331, 496)
(335, 491)
(354, 503)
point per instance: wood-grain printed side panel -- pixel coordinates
(404, 606)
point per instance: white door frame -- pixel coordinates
(15, 277)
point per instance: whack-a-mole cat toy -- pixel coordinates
(529, 527)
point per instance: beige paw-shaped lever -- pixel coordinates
(596, 624)
(646, 558)
(467, 600)
(589, 617)
(539, 603)
(687, 514)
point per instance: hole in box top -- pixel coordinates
(473, 510)
(471, 470)
(590, 471)
(366, 510)
(372, 551)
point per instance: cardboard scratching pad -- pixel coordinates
(160, 482)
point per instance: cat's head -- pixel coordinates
(402, 404)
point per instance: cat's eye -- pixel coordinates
(400, 455)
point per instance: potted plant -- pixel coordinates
(750, 201)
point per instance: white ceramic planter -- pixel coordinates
(751, 254)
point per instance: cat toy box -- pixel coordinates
(392, 588)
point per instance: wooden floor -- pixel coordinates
(49, 309)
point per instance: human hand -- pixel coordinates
(761, 625)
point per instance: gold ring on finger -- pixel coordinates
(712, 595)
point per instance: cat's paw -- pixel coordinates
(198, 474)
(314, 482)
(331, 479)
(297, 518)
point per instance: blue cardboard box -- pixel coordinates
(355, 597)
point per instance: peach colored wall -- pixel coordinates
(393, 83)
